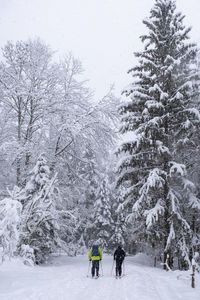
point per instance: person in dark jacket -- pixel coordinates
(119, 256)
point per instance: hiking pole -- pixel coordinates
(112, 267)
(88, 268)
(101, 267)
(123, 268)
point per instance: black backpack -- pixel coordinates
(120, 254)
(95, 250)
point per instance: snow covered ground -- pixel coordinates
(65, 278)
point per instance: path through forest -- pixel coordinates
(65, 278)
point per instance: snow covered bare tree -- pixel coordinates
(27, 82)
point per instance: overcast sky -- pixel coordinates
(103, 34)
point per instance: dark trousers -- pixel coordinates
(95, 266)
(119, 267)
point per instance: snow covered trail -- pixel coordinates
(65, 278)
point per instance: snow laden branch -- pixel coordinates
(177, 169)
(153, 214)
(155, 180)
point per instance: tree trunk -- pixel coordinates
(18, 171)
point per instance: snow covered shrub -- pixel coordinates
(10, 211)
(27, 254)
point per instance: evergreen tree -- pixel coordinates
(159, 121)
(117, 238)
(100, 229)
(39, 216)
(118, 227)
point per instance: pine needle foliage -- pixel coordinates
(158, 123)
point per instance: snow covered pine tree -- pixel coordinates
(118, 227)
(102, 220)
(39, 215)
(160, 119)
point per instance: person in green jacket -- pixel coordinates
(95, 255)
